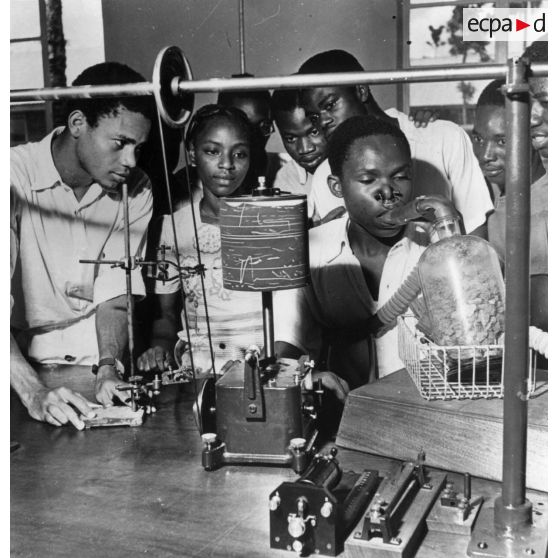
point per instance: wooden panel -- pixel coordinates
(390, 418)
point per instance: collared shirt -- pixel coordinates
(55, 295)
(235, 317)
(338, 298)
(296, 180)
(443, 163)
(539, 227)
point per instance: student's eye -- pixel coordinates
(119, 143)
(314, 132)
(314, 118)
(289, 139)
(477, 139)
(211, 151)
(241, 154)
(501, 142)
(330, 105)
(402, 177)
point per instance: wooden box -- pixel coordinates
(391, 419)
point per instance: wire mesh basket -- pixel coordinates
(454, 372)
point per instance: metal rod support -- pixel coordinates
(512, 510)
(269, 336)
(486, 71)
(129, 296)
(241, 38)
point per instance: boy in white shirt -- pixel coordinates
(358, 261)
(304, 143)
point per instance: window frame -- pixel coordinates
(37, 106)
(403, 57)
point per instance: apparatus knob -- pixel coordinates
(252, 352)
(298, 546)
(297, 443)
(297, 527)
(326, 508)
(209, 438)
(274, 502)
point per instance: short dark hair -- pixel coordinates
(331, 61)
(110, 73)
(285, 100)
(227, 98)
(492, 95)
(335, 61)
(353, 129)
(206, 114)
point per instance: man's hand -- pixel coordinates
(332, 382)
(56, 406)
(156, 358)
(423, 117)
(105, 386)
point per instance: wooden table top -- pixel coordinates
(122, 491)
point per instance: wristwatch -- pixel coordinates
(107, 361)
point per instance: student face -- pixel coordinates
(330, 106)
(489, 143)
(303, 141)
(109, 150)
(539, 116)
(376, 177)
(222, 156)
(258, 113)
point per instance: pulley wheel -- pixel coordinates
(171, 67)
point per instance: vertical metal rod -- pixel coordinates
(129, 296)
(241, 40)
(467, 486)
(511, 511)
(269, 336)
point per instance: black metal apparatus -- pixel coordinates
(315, 513)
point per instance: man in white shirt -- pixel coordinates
(303, 141)
(358, 261)
(66, 205)
(443, 158)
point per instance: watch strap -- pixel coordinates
(107, 361)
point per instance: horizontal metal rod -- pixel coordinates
(491, 71)
(82, 92)
(296, 81)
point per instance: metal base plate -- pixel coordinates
(448, 520)
(411, 531)
(485, 543)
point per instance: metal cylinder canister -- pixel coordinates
(264, 242)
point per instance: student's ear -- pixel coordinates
(77, 123)
(363, 93)
(191, 155)
(334, 183)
